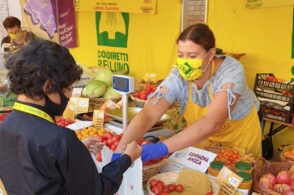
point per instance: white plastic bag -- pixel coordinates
(132, 180)
(132, 183)
(106, 155)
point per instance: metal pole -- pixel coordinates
(125, 110)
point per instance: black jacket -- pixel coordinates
(39, 157)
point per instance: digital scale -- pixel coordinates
(125, 85)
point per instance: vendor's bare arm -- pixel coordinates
(203, 128)
(149, 115)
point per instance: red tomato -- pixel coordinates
(166, 189)
(99, 157)
(179, 188)
(112, 147)
(109, 142)
(115, 143)
(156, 190)
(153, 182)
(172, 187)
(164, 193)
(160, 183)
(108, 135)
(116, 138)
(153, 88)
(143, 96)
(136, 94)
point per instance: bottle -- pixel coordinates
(215, 168)
(246, 185)
(242, 167)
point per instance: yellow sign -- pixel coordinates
(253, 4)
(130, 6)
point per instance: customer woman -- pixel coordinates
(36, 155)
(213, 96)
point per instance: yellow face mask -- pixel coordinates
(190, 69)
(12, 36)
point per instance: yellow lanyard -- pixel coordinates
(33, 111)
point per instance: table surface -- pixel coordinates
(279, 122)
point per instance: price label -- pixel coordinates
(98, 118)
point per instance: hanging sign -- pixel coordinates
(130, 6)
(254, 4)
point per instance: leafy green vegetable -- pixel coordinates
(94, 89)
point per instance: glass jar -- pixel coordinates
(215, 168)
(246, 185)
(242, 167)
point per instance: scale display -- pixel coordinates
(123, 84)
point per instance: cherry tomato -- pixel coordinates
(166, 189)
(156, 190)
(153, 182)
(99, 157)
(108, 135)
(179, 188)
(171, 187)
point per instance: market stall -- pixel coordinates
(126, 53)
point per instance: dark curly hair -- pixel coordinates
(200, 34)
(40, 61)
(11, 22)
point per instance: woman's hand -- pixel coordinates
(133, 150)
(93, 144)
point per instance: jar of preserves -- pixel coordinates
(242, 167)
(215, 168)
(246, 185)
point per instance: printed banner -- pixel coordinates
(130, 43)
(112, 40)
(67, 24)
(51, 19)
(254, 4)
(130, 6)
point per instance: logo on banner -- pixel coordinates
(112, 29)
(112, 33)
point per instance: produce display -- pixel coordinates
(90, 131)
(282, 183)
(111, 140)
(228, 156)
(7, 99)
(147, 89)
(159, 188)
(63, 122)
(101, 86)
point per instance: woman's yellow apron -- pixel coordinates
(243, 134)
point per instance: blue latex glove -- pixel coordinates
(153, 151)
(115, 156)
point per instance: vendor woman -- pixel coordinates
(214, 99)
